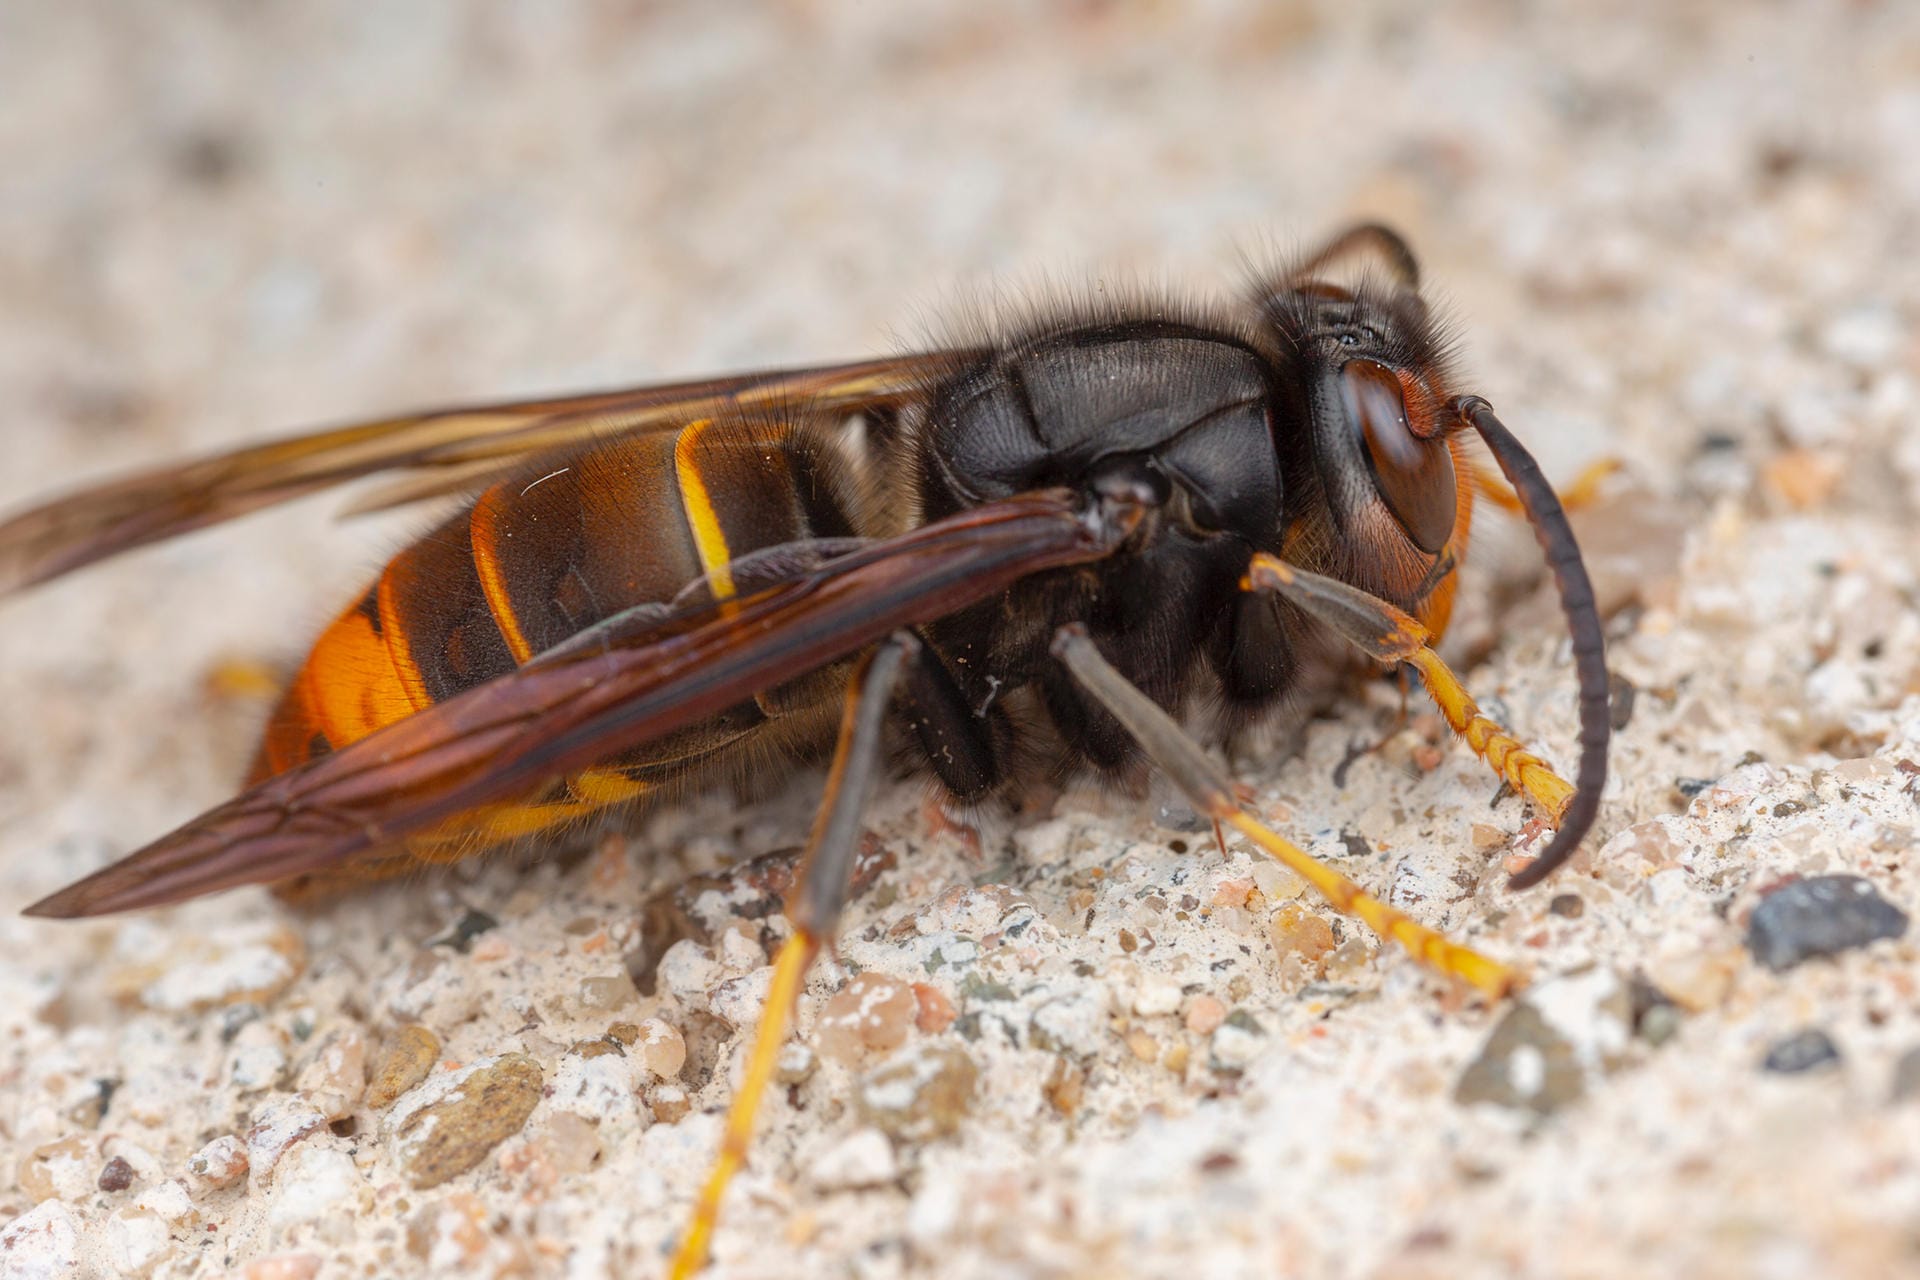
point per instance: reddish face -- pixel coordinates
(1411, 466)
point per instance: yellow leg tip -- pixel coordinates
(790, 969)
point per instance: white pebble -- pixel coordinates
(136, 1243)
(166, 1200)
(316, 1183)
(41, 1244)
(934, 1215)
(1233, 1047)
(600, 1088)
(687, 972)
(279, 1125)
(256, 1066)
(738, 1001)
(1156, 996)
(220, 1163)
(864, 1158)
(1075, 1022)
(740, 953)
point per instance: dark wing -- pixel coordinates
(582, 702)
(447, 450)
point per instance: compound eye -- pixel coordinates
(1413, 473)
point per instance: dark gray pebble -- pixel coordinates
(1808, 1050)
(1820, 916)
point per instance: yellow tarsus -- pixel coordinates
(789, 970)
(1423, 944)
(1518, 767)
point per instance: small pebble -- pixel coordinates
(687, 972)
(488, 1105)
(1205, 1014)
(135, 1243)
(740, 953)
(336, 1078)
(403, 1062)
(1233, 892)
(167, 1200)
(605, 994)
(935, 1013)
(796, 1063)
(276, 1127)
(1526, 1064)
(92, 1106)
(1156, 996)
(59, 1168)
(1236, 1043)
(921, 1093)
(1655, 1015)
(1277, 883)
(669, 1103)
(1808, 1050)
(220, 1163)
(243, 964)
(864, 1158)
(259, 1058)
(740, 1002)
(1298, 930)
(572, 1142)
(1349, 961)
(870, 1015)
(1906, 1077)
(461, 933)
(316, 1183)
(1074, 1022)
(600, 1087)
(116, 1175)
(283, 1266)
(1819, 916)
(1065, 1086)
(660, 1047)
(43, 1241)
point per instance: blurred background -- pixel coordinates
(1683, 235)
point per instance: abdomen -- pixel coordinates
(533, 561)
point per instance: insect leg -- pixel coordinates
(965, 749)
(819, 893)
(1207, 785)
(1387, 635)
(1583, 492)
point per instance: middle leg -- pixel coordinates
(819, 893)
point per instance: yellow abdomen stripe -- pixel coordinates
(483, 532)
(708, 539)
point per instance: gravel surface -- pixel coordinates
(1082, 1042)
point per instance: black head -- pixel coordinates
(1374, 495)
(1373, 490)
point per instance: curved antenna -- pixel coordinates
(1555, 535)
(1381, 239)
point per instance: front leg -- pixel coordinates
(1212, 793)
(1388, 635)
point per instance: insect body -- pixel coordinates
(1060, 536)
